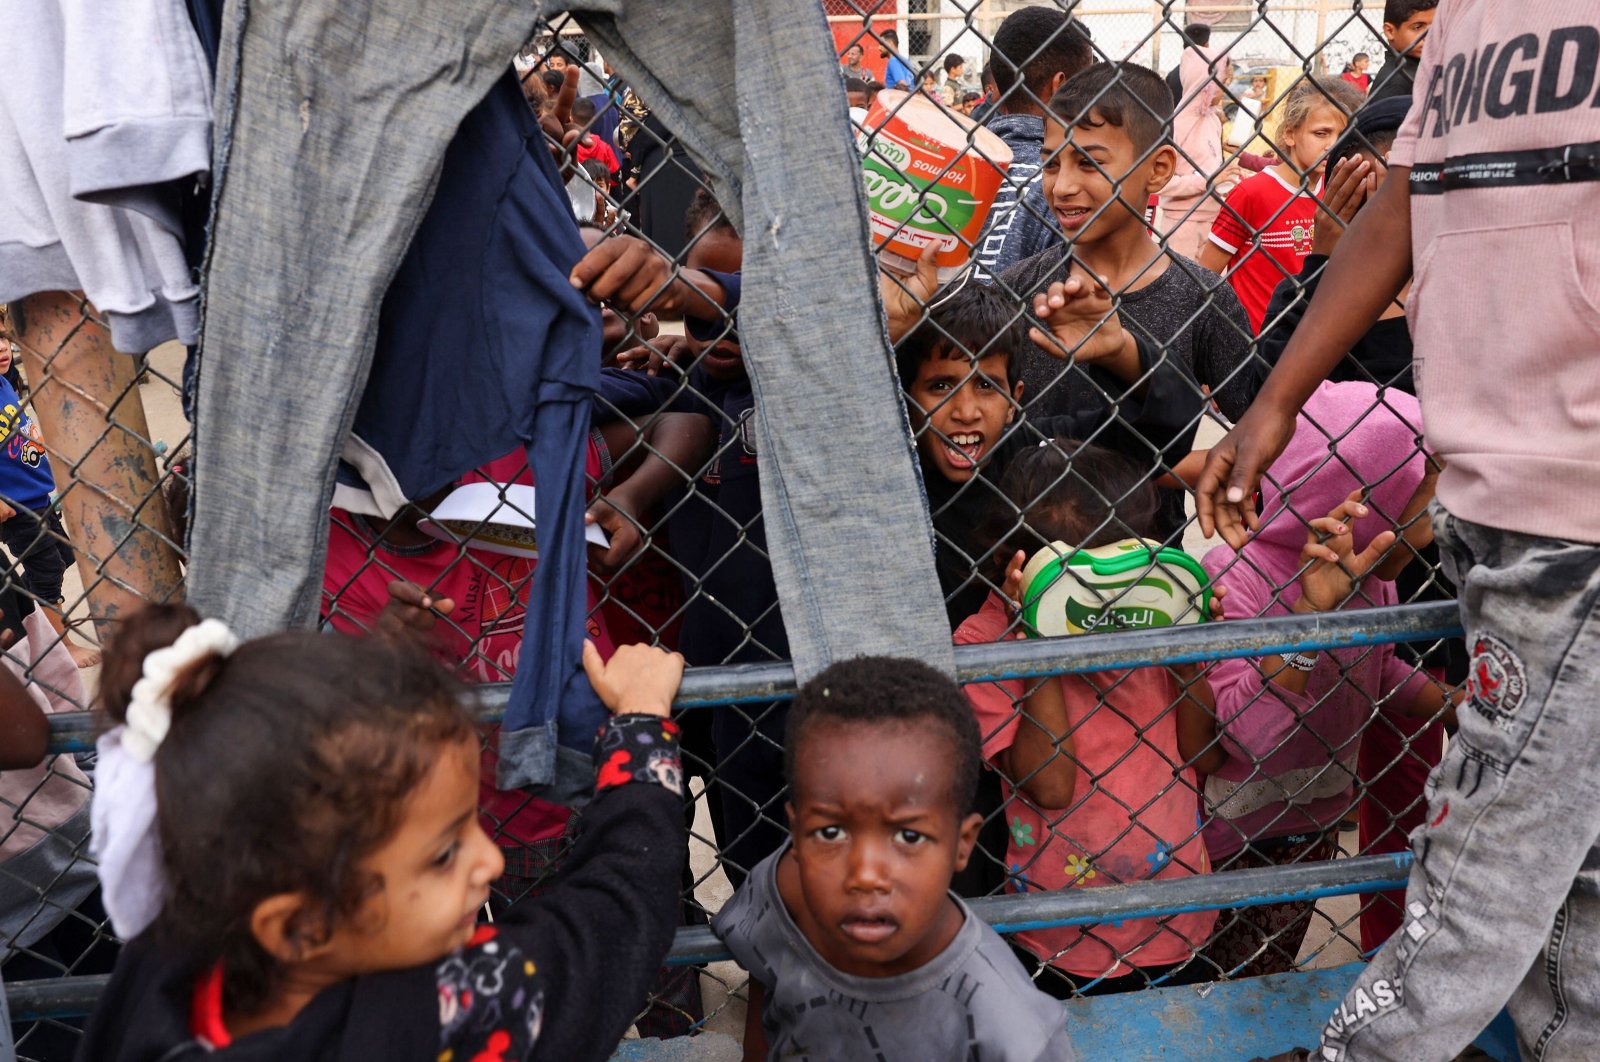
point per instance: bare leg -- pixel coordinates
(93, 422)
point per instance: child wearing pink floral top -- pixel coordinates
(1116, 803)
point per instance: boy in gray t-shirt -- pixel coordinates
(855, 945)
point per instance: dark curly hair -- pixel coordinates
(704, 214)
(880, 690)
(1074, 492)
(286, 766)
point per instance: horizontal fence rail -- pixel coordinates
(710, 687)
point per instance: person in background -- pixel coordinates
(660, 175)
(851, 63)
(30, 526)
(591, 145)
(855, 92)
(553, 81)
(1356, 171)
(1036, 51)
(1204, 175)
(899, 74)
(955, 69)
(1195, 35)
(1355, 72)
(1405, 29)
(931, 89)
(1266, 228)
(969, 102)
(987, 105)
(873, 88)
(1099, 184)
(608, 106)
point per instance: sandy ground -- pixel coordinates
(722, 984)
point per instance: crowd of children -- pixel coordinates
(1054, 397)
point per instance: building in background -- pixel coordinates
(1320, 35)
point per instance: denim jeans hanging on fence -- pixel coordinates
(333, 119)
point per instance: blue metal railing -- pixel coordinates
(757, 683)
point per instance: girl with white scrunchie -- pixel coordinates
(288, 836)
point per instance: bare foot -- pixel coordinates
(83, 655)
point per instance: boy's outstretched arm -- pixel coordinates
(1368, 269)
(631, 274)
(1078, 321)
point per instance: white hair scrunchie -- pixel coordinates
(122, 813)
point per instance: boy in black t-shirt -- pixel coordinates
(1106, 151)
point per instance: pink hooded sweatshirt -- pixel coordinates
(1292, 757)
(1187, 208)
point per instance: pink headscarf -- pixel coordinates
(1344, 438)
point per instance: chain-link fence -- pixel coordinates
(1116, 266)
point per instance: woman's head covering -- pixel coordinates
(1200, 72)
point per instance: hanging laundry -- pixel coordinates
(105, 127)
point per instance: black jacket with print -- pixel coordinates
(559, 978)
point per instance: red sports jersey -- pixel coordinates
(1266, 226)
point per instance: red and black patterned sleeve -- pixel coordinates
(562, 974)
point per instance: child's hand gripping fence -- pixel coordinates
(1313, 777)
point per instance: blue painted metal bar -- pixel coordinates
(74, 996)
(707, 687)
(1146, 899)
(1032, 658)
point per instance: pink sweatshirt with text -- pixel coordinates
(1505, 225)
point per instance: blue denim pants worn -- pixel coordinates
(333, 117)
(1503, 905)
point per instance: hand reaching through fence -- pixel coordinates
(561, 131)
(410, 607)
(638, 679)
(1350, 182)
(632, 274)
(24, 730)
(908, 299)
(1081, 324)
(656, 354)
(1332, 568)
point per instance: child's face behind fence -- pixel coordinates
(1307, 145)
(1409, 36)
(960, 410)
(722, 250)
(877, 837)
(1097, 182)
(435, 873)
